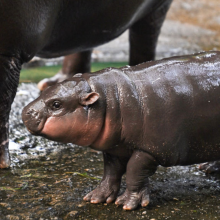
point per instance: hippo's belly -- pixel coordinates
(88, 24)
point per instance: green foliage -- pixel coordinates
(38, 73)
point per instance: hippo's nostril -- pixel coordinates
(30, 111)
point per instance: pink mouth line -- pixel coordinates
(45, 124)
(39, 131)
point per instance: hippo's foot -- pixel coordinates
(59, 77)
(105, 192)
(72, 64)
(4, 157)
(140, 166)
(4, 163)
(130, 200)
(210, 167)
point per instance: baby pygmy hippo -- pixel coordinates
(163, 112)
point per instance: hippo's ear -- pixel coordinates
(89, 98)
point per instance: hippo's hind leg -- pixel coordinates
(74, 63)
(140, 166)
(210, 167)
(9, 78)
(107, 191)
(143, 35)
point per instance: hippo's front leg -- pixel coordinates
(140, 166)
(9, 78)
(107, 191)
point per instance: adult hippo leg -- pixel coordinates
(143, 35)
(107, 191)
(9, 78)
(74, 63)
(211, 167)
(140, 166)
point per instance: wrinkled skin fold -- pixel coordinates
(8, 84)
(163, 112)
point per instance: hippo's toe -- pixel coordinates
(4, 158)
(131, 200)
(105, 192)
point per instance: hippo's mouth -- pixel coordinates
(35, 132)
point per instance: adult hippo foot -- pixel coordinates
(105, 192)
(210, 167)
(4, 156)
(59, 77)
(131, 200)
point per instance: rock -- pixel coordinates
(72, 215)
(12, 217)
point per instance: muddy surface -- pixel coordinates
(48, 180)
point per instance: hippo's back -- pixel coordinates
(169, 108)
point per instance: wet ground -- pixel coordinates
(48, 180)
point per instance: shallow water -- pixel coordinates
(48, 180)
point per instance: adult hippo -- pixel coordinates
(163, 112)
(51, 28)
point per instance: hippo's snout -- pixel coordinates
(34, 116)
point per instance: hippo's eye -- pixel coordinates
(56, 105)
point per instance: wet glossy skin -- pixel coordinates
(51, 28)
(158, 113)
